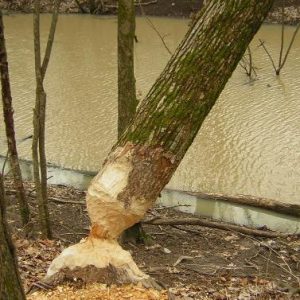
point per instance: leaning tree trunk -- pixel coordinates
(144, 159)
(10, 129)
(10, 283)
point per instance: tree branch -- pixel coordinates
(210, 224)
(264, 203)
(50, 38)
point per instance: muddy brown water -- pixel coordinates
(249, 144)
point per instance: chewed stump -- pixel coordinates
(97, 260)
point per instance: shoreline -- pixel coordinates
(157, 8)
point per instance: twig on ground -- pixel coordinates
(64, 201)
(251, 264)
(73, 233)
(284, 269)
(39, 285)
(193, 232)
(199, 271)
(271, 249)
(181, 259)
(53, 199)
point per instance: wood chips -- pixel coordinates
(99, 292)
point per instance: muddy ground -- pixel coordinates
(168, 8)
(189, 261)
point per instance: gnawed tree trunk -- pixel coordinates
(39, 117)
(10, 283)
(10, 129)
(144, 159)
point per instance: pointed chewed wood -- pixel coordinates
(97, 260)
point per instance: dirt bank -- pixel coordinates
(169, 8)
(191, 262)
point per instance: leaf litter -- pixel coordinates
(199, 263)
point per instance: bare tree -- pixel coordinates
(247, 64)
(10, 129)
(166, 123)
(39, 116)
(282, 58)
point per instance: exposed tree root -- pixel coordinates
(97, 260)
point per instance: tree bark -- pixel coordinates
(127, 101)
(10, 283)
(39, 117)
(39, 162)
(10, 129)
(167, 121)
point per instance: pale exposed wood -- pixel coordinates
(223, 226)
(97, 260)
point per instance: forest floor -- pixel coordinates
(166, 8)
(191, 262)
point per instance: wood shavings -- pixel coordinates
(99, 291)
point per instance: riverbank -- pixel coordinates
(166, 8)
(190, 261)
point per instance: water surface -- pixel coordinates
(249, 144)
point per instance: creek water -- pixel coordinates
(249, 143)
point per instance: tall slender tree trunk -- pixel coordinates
(127, 101)
(10, 283)
(39, 117)
(10, 129)
(148, 153)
